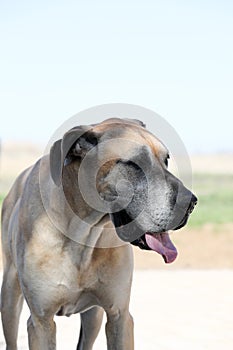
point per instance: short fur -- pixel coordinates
(62, 253)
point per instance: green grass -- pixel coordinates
(215, 199)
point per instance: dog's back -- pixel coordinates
(8, 209)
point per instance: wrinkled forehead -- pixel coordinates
(130, 136)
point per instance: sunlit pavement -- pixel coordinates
(172, 310)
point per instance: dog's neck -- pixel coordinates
(86, 225)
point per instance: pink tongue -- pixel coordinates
(161, 243)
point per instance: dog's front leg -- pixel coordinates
(41, 334)
(119, 330)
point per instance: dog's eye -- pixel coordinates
(166, 160)
(130, 163)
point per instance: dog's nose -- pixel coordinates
(194, 200)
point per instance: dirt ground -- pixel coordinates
(172, 310)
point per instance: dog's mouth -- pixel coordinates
(158, 242)
(161, 242)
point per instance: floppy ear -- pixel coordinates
(82, 138)
(55, 162)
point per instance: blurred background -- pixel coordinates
(174, 57)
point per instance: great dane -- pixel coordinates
(67, 225)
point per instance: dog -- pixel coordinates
(67, 228)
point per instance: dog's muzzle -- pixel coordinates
(161, 242)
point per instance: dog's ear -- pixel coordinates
(55, 157)
(75, 143)
(84, 143)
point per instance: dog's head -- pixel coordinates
(121, 169)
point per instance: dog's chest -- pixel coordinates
(81, 303)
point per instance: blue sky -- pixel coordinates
(174, 57)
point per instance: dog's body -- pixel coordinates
(65, 255)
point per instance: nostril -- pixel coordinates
(194, 200)
(192, 204)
